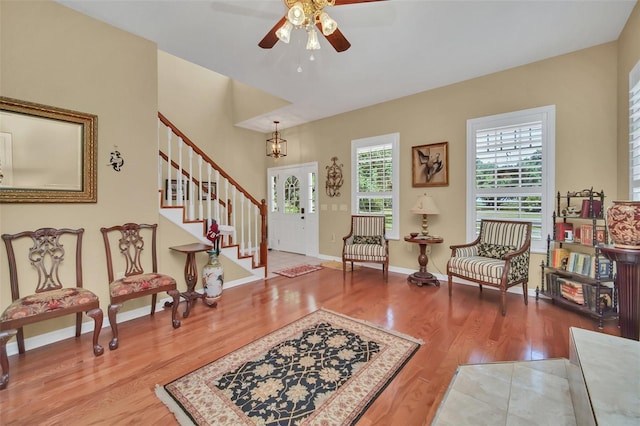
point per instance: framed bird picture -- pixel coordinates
(430, 165)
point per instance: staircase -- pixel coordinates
(193, 191)
(598, 385)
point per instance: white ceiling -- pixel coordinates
(398, 47)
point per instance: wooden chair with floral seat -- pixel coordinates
(47, 249)
(498, 257)
(130, 241)
(366, 242)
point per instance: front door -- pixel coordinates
(293, 215)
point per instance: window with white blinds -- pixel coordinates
(634, 133)
(375, 181)
(510, 166)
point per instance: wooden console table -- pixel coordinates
(191, 271)
(422, 276)
(628, 283)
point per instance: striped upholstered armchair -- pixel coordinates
(366, 243)
(499, 257)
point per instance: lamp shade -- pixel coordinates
(425, 205)
(329, 26)
(284, 32)
(296, 14)
(312, 41)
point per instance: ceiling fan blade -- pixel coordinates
(271, 39)
(337, 40)
(343, 2)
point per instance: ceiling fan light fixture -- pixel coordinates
(284, 32)
(328, 24)
(296, 14)
(312, 40)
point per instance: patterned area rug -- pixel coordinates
(296, 271)
(322, 369)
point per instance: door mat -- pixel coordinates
(334, 264)
(298, 270)
(323, 369)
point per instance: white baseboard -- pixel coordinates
(442, 278)
(87, 326)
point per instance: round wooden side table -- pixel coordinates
(423, 277)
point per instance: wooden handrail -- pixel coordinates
(261, 205)
(205, 157)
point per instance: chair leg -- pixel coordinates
(4, 361)
(525, 292)
(78, 323)
(112, 311)
(175, 294)
(154, 300)
(97, 316)
(344, 269)
(450, 284)
(20, 339)
(503, 302)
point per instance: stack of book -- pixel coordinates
(572, 291)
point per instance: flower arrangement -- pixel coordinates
(213, 235)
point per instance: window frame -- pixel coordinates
(394, 140)
(546, 115)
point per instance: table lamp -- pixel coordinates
(425, 206)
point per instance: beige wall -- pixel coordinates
(582, 85)
(628, 56)
(52, 55)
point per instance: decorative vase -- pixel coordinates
(623, 221)
(212, 279)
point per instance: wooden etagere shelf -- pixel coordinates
(575, 274)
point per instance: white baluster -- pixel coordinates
(209, 194)
(199, 191)
(234, 193)
(242, 246)
(189, 187)
(220, 220)
(180, 193)
(169, 189)
(256, 216)
(249, 245)
(159, 157)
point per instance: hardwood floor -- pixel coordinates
(64, 383)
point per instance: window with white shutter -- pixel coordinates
(374, 179)
(634, 133)
(510, 168)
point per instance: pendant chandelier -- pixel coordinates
(307, 14)
(276, 146)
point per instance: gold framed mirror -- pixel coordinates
(47, 154)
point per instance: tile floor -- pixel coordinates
(599, 385)
(510, 393)
(278, 260)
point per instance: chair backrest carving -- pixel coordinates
(131, 245)
(46, 255)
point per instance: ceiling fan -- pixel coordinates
(309, 14)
